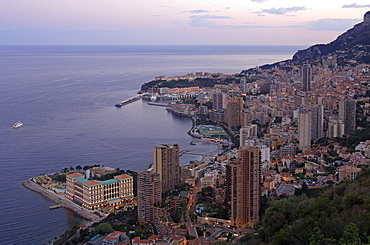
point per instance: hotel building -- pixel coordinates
(93, 194)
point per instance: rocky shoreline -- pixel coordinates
(64, 202)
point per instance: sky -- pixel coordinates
(177, 22)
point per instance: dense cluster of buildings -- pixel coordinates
(277, 112)
(241, 176)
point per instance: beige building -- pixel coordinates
(348, 172)
(304, 128)
(93, 194)
(167, 165)
(234, 112)
(149, 193)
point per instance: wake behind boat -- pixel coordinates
(17, 124)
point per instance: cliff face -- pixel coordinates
(359, 34)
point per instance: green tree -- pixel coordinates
(103, 228)
(350, 235)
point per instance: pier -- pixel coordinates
(157, 104)
(56, 206)
(129, 100)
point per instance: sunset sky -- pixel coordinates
(175, 22)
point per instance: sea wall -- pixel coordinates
(29, 184)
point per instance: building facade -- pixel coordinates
(167, 165)
(234, 112)
(219, 100)
(247, 132)
(347, 113)
(317, 121)
(93, 194)
(306, 77)
(243, 188)
(149, 193)
(304, 128)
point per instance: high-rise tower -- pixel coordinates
(219, 100)
(243, 183)
(167, 165)
(149, 193)
(304, 128)
(234, 112)
(347, 113)
(306, 77)
(317, 121)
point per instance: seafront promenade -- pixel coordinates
(29, 184)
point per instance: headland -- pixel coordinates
(59, 199)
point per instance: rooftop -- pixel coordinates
(123, 176)
(81, 180)
(75, 175)
(110, 181)
(92, 182)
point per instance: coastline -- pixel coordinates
(64, 202)
(92, 216)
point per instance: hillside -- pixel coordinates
(358, 36)
(338, 216)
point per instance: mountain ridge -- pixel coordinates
(357, 35)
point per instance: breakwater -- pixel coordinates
(64, 202)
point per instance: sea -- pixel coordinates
(65, 96)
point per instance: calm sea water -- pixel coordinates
(65, 97)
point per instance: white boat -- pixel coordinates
(153, 98)
(17, 124)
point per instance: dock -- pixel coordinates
(56, 206)
(157, 104)
(130, 100)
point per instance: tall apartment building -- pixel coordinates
(243, 84)
(335, 128)
(306, 77)
(304, 128)
(246, 117)
(219, 100)
(167, 165)
(317, 121)
(234, 109)
(149, 192)
(347, 113)
(93, 194)
(247, 132)
(243, 187)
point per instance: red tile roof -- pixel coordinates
(123, 176)
(75, 175)
(92, 182)
(110, 238)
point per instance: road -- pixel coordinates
(190, 208)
